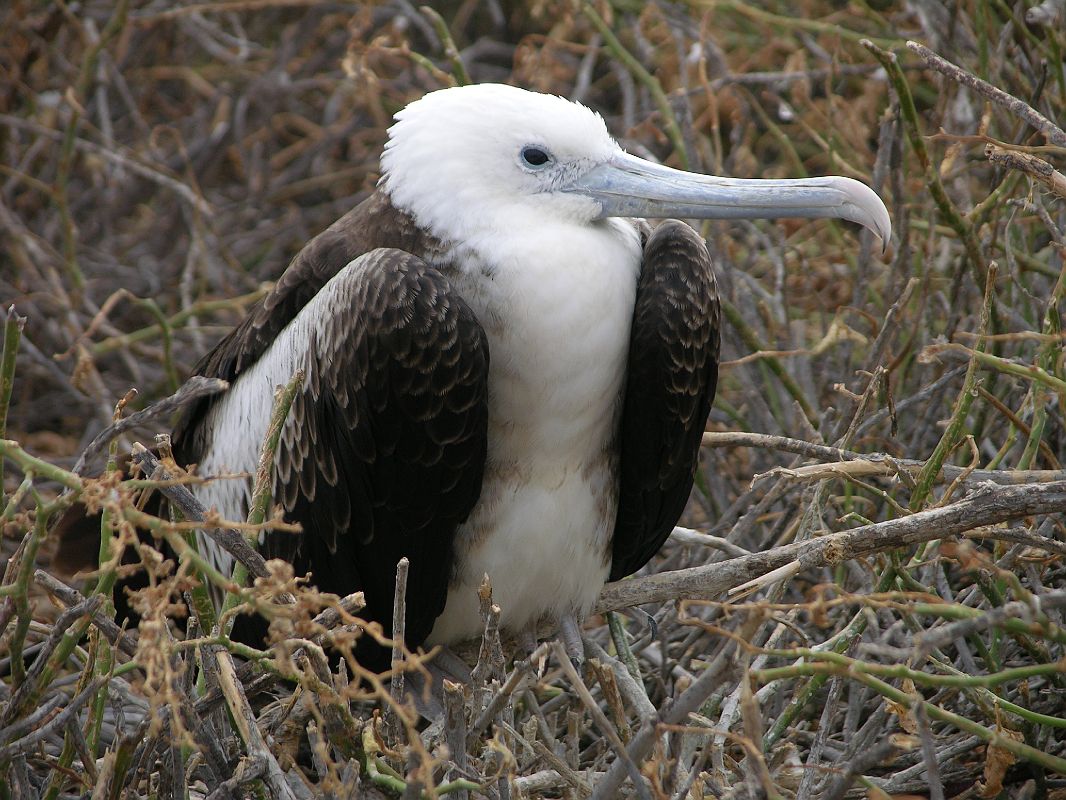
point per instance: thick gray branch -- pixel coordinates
(989, 504)
(193, 389)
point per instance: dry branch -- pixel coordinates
(192, 509)
(246, 724)
(986, 505)
(193, 389)
(1052, 132)
(860, 464)
(1036, 168)
(126, 641)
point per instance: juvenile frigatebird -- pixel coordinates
(507, 371)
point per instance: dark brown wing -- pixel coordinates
(670, 383)
(373, 223)
(385, 446)
(383, 452)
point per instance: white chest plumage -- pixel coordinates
(557, 311)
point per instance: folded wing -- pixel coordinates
(672, 374)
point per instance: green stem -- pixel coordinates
(86, 75)
(950, 214)
(795, 22)
(66, 645)
(105, 346)
(1048, 361)
(898, 671)
(27, 463)
(751, 339)
(621, 645)
(927, 477)
(12, 333)
(1031, 372)
(643, 76)
(164, 327)
(102, 654)
(262, 488)
(203, 607)
(14, 502)
(22, 594)
(1040, 625)
(854, 629)
(173, 532)
(66, 756)
(989, 736)
(450, 50)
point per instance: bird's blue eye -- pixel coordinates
(535, 156)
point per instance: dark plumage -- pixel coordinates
(670, 383)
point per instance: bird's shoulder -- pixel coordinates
(373, 224)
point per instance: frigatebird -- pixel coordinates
(508, 371)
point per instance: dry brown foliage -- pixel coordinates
(872, 589)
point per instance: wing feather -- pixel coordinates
(398, 437)
(372, 224)
(670, 384)
(384, 449)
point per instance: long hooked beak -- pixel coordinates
(627, 186)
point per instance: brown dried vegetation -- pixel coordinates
(898, 626)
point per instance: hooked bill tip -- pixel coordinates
(864, 206)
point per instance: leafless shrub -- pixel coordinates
(872, 589)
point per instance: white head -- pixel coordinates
(472, 160)
(475, 154)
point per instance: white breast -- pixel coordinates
(557, 307)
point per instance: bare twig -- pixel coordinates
(928, 641)
(1052, 132)
(1036, 168)
(42, 730)
(674, 713)
(399, 632)
(859, 464)
(193, 389)
(606, 728)
(192, 509)
(932, 176)
(13, 326)
(245, 723)
(455, 725)
(126, 641)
